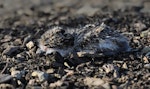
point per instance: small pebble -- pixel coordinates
(33, 87)
(42, 76)
(93, 81)
(17, 42)
(145, 50)
(139, 26)
(6, 38)
(17, 74)
(108, 68)
(5, 78)
(106, 85)
(148, 55)
(114, 87)
(125, 66)
(96, 82)
(145, 33)
(147, 66)
(30, 44)
(50, 71)
(145, 59)
(6, 86)
(10, 50)
(26, 39)
(31, 81)
(116, 74)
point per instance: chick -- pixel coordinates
(91, 38)
(56, 39)
(101, 39)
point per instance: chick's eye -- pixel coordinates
(94, 36)
(46, 45)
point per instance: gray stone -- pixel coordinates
(5, 78)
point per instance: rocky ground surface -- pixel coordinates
(23, 22)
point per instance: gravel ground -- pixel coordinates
(22, 24)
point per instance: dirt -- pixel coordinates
(23, 22)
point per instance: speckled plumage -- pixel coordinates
(98, 39)
(101, 39)
(56, 39)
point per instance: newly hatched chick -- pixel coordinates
(101, 39)
(56, 39)
(91, 38)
